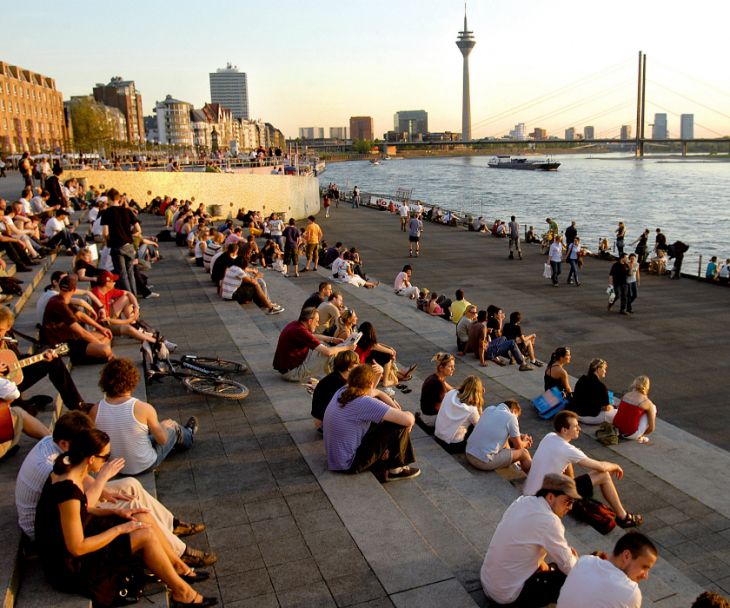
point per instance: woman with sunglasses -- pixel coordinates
(346, 324)
(84, 550)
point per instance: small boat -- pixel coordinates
(504, 161)
(375, 161)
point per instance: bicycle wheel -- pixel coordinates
(211, 364)
(216, 387)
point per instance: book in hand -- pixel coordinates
(352, 339)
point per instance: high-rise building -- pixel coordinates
(229, 87)
(123, 95)
(589, 132)
(625, 132)
(465, 42)
(413, 122)
(519, 132)
(688, 126)
(338, 132)
(31, 112)
(311, 132)
(173, 122)
(539, 134)
(570, 134)
(659, 129)
(361, 127)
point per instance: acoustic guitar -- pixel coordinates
(14, 372)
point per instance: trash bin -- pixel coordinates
(216, 210)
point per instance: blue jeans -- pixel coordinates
(124, 267)
(573, 270)
(178, 436)
(633, 293)
(502, 347)
(556, 271)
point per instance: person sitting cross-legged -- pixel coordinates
(458, 415)
(362, 432)
(555, 454)
(137, 434)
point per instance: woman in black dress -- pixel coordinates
(83, 550)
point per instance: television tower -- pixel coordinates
(466, 42)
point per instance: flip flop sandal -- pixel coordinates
(400, 387)
(632, 520)
(405, 391)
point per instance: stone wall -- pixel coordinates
(294, 196)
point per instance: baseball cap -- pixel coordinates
(8, 390)
(104, 276)
(68, 283)
(561, 484)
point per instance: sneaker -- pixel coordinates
(498, 361)
(275, 309)
(404, 473)
(197, 558)
(537, 363)
(526, 367)
(152, 294)
(183, 528)
(193, 425)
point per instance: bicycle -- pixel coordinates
(204, 375)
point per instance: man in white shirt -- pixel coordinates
(403, 212)
(611, 582)
(402, 285)
(496, 440)
(515, 567)
(556, 455)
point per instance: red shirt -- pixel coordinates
(295, 342)
(108, 298)
(627, 418)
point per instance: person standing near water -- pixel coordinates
(620, 235)
(415, 229)
(514, 238)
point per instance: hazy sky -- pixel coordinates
(317, 62)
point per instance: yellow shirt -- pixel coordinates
(312, 234)
(457, 309)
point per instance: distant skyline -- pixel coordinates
(550, 65)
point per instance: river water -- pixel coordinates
(687, 199)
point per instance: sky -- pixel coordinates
(316, 63)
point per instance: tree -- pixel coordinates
(91, 128)
(362, 146)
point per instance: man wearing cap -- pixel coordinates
(15, 420)
(515, 567)
(610, 581)
(51, 365)
(61, 324)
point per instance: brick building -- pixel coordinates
(123, 95)
(31, 112)
(361, 127)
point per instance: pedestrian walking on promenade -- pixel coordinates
(404, 213)
(572, 256)
(415, 229)
(617, 279)
(642, 247)
(632, 281)
(620, 235)
(556, 258)
(514, 238)
(356, 197)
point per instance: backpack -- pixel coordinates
(597, 515)
(549, 403)
(607, 434)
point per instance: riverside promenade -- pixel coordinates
(289, 533)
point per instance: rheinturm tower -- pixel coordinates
(466, 42)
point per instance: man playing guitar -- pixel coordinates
(50, 365)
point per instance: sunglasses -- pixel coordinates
(104, 457)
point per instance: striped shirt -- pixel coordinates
(32, 476)
(130, 439)
(232, 281)
(210, 250)
(344, 428)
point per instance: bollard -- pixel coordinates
(699, 267)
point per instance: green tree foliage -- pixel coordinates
(91, 128)
(362, 146)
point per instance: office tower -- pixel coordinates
(659, 128)
(338, 132)
(413, 122)
(173, 122)
(570, 134)
(589, 133)
(539, 134)
(31, 112)
(688, 126)
(123, 95)
(625, 132)
(311, 132)
(229, 87)
(519, 132)
(361, 127)
(465, 42)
